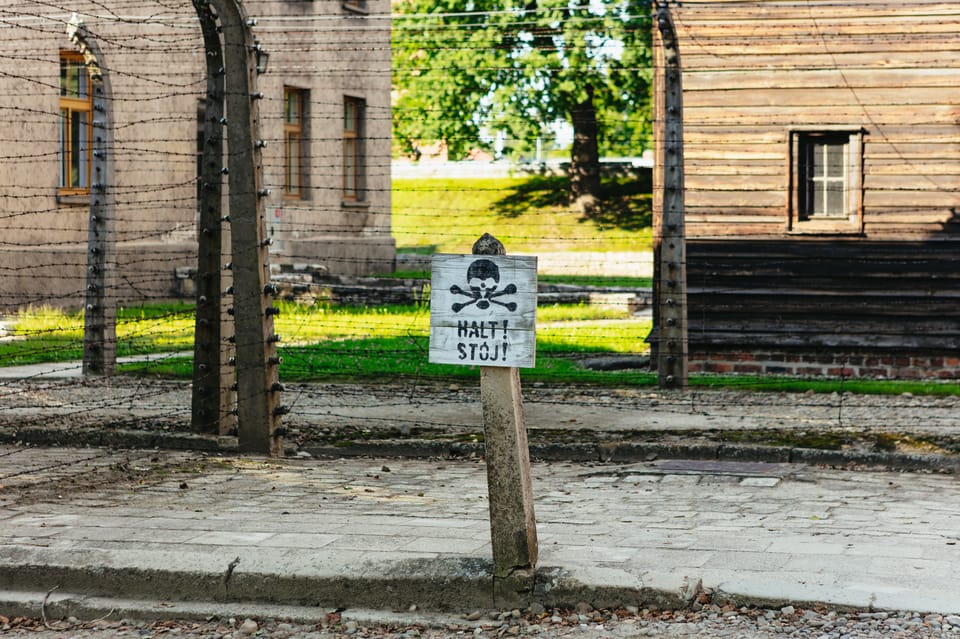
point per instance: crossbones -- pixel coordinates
(483, 278)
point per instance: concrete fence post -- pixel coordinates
(670, 281)
(212, 377)
(100, 307)
(258, 388)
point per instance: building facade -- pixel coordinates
(323, 119)
(821, 165)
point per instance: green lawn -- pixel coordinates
(527, 214)
(327, 343)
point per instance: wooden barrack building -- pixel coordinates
(821, 164)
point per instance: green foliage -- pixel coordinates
(528, 215)
(519, 66)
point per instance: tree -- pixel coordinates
(461, 68)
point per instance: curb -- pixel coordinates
(439, 594)
(634, 452)
(606, 452)
(443, 586)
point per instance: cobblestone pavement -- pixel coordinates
(390, 534)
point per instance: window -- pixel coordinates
(353, 160)
(76, 124)
(359, 6)
(294, 101)
(826, 194)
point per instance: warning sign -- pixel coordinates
(483, 310)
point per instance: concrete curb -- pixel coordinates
(440, 594)
(612, 452)
(632, 452)
(62, 605)
(444, 585)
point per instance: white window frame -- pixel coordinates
(800, 218)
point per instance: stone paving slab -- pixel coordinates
(389, 534)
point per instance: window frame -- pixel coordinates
(355, 6)
(800, 220)
(353, 149)
(70, 105)
(295, 130)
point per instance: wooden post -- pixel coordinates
(100, 309)
(258, 386)
(211, 378)
(669, 243)
(513, 526)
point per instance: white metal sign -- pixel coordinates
(483, 310)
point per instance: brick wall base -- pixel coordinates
(829, 365)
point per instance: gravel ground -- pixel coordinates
(710, 621)
(321, 412)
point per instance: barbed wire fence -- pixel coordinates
(156, 56)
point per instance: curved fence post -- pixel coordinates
(100, 309)
(669, 243)
(258, 387)
(212, 378)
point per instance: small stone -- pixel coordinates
(474, 616)
(249, 627)
(533, 629)
(537, 609)
(515, 613)
(953, 620)
(583, 608)
(412, 608)
(350, 627)
(787, 610)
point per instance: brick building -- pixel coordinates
(324, 119)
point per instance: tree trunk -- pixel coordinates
(585, 156)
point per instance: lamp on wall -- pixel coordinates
(262, 57)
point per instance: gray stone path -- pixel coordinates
(164, 526)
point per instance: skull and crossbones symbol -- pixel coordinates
(483, 280)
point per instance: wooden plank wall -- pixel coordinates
(753, 70)
(883, 296)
